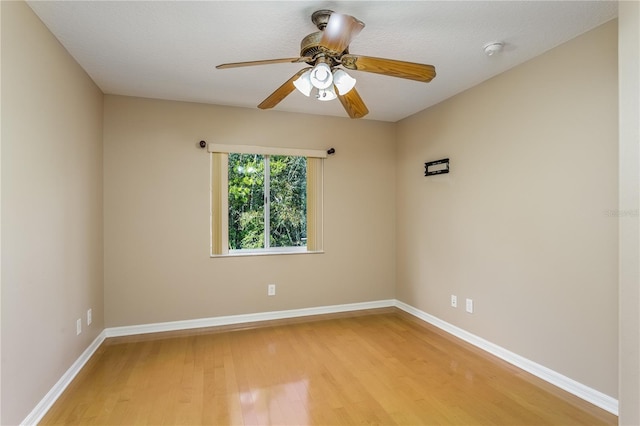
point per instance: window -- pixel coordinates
(265, 200)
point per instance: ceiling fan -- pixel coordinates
(325, 51)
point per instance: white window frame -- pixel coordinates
(220, 203)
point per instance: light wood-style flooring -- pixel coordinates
(378, 367)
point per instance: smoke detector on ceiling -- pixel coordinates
(493, 48)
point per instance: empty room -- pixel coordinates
(307, 212)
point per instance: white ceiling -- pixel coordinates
(169, 49)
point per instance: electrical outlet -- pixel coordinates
(469, 306)
(454, 301)
(78, 326)
(271, 290)
(89, 316)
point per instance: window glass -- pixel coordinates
(259, 222)
(246, 201)
(287, 201)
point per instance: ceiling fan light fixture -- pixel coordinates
(321, 76)
(327, 94)
(343, 81)
(303, 83)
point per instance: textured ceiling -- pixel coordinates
(169, 49)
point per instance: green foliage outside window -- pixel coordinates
(246, 201)
(287, 203)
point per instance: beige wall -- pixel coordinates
(157, 264)
(629, 64)
(51, 210)
(525, 222)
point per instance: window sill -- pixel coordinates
(265, 253)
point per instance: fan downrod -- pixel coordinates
(320, 18)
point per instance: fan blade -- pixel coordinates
(339, 32)
(265, 62)
(391, 67)
(353, 104)
(281, 92)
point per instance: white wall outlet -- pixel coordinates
(469, 307)
(454, 301)
(271, 290)
(89, 316)
(78, 326)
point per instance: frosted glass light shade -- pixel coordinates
(327, 94)
(303, 83)
(321, 76)
(343, 81)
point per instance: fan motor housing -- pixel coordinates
(310, 47)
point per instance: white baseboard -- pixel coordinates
(244, 318)
(52, 396)
(590, 395)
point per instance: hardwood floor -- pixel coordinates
(381, 367)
